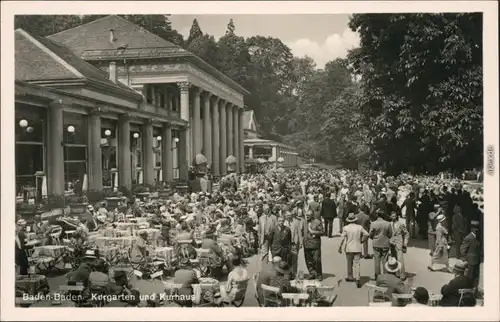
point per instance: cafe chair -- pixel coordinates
(271, 296)
(294, 299)
(376, 295)
(255, 279)
(466, 293)
(402, 299)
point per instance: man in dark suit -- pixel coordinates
(451, 296)
(281, 241)
(328, 213)
(364, 221)
(471, 253)
(21, 258)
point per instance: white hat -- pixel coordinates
(440, 218)
(392, 265)
(21, 222)
(277, 259)
(90, 253)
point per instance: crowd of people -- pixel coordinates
(273, 216)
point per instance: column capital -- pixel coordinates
(148, 121)
(207, 95)
(56, 104)
(184, 86)
(216, 99)
(124, 117)
(94, 110)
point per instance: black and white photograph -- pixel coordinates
(245, 159)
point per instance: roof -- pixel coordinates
(249, 122)
(96, 35)
(91, 42)
(41, 59)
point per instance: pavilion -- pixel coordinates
(258, 148)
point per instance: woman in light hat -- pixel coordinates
(439, 260)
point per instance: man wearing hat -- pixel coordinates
(282, 278)
(21, 258)
(186, 276)
(451, 296)
(390, 280)
(471, 253)
(267, 272)
(353, 236)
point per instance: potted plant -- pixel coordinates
(141, 191)
(113, 199)
(163, 189)
(77, 204)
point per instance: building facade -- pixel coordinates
(108, 104)
(258, 148)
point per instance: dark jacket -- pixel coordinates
(281, 242)
(328, 208)
(393, 284)
(451, 297)
(470, 250)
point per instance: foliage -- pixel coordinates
(422, 75)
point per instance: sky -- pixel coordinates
(321, 37)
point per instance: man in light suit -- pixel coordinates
(380, 233)
(353, 236)
(398, 241)
(471, 253)
(266, 224)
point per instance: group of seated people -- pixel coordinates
(451, 295)
(236, 284)
(94, 274)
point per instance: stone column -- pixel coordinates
(55, 150)
(124, 166)
(236, 135)
(207, 128)
(216, 155)
(223, 137)
(275, 155)
(186, 157)
(183, 149)
(167, 162)
(95, 153)
(196, 126)
(148, 168)
(241, 139)
(230, 129)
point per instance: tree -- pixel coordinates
(234, 58)
(159, 25)
(194, 32)
(422, 77)
(44, 25)
(271, 71)
(230, 27)
(206, 48)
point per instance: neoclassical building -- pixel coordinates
(118, 105)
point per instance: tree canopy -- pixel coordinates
(422, 75)
(409, 97)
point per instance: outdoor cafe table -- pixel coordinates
(48, 256)
(102, 241)
(166, 253)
